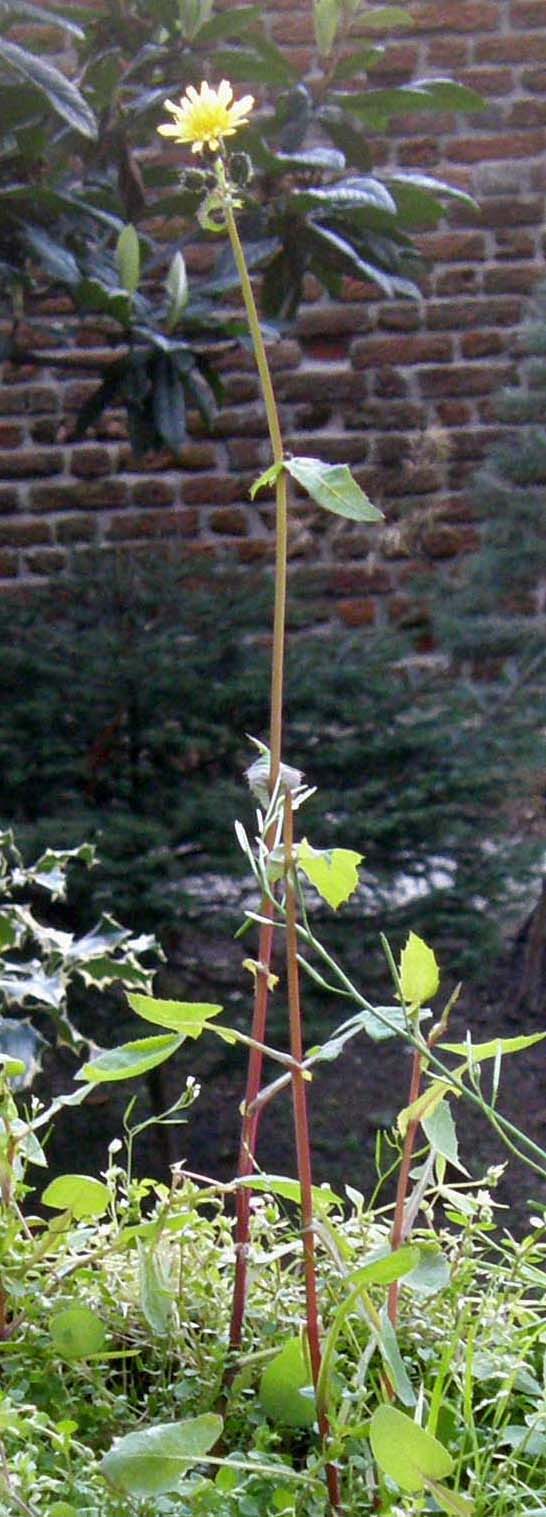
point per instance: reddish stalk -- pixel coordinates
(303, 1145)
(249, 1131)
(397, 1234)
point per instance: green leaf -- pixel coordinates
(290, 1190)
(333, 871)
(57, 260)
(153, 1461)
(169, 403)
(129, 1060)
(81, 1194)
(431, 1274)
(382, 19)
(62, 95)
(77, 1332)
(8, 932)
(376, 107)
(451, 1501)
(439, 1128)
(477, 1053)
(423, 1106)
(128, 259)
(176, 285)
(405, 1452)
(382, 1270)
(155, 1297)
(392, 1358)
(326, 19)
(419, 973)
(333, 486)
(281, 1386)
(188, 1018)
(269, 477)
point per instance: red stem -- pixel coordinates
(249, 1129)
(397, 1234)
(303, 1145)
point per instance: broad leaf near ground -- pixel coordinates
(83, 1195)
(282, 1383)
(154, 1460)
(129, 1060)
(405, 1452)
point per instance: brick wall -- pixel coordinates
(404, 393)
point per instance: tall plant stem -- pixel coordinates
(397, 1234)
(303, 1145)
(251, 1113)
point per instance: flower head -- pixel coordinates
(204, 118)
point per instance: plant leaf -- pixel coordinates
(269, 477)
(333, 871)
(290, 1190)
(188, 1018)
(83, 1195)
(176, 285)
(77, 1332)
(333, 486)
(419, 973)
(153, 1461)
(128, 259)
(405, 1452)
(62, 95)
(129, 1060)
(282, 1383)
(477, 1053)
(439, 1128)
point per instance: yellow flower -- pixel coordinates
(205, 118)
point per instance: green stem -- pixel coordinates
(397, 1234)
(303, 1144)
(251, 1112)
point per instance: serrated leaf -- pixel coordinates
(186, 1017)
(83, 1195)
(419, 973)
(269, 477)
(128, 259)
(153, 1461)
(281, 1386)
(77, 1332)
(477, 1053)
(333, 487)
(129, 1060)
(62, 95)
(406, 1452)
(333, 871)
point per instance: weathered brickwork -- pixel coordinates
(404, 393)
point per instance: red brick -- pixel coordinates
(454, 413)
(9, 498)
(515, 244)
(45, 561)
(527, 13)
(358, 579)
(458, 281)
(211, 490)
(30, 463)
(10, 436)
(521, 211)
(527, 113)
(76, 529)
(464, 379)
(487, 81)
(256, 550)
(507, 145)
(456, 16)
(511, 49)
(421, 152)
(403, 317)
(356, 613)
(230, 523)
(534, 79)
(248, 453)
(90, 462)
(473, 313)
(480, 344)
(443, 541)
(154, 492)
(138, 524)
(9, 564)
(99, 495)
(523, 277)
(21, 532)
(455, 247)
(448, 52)
(399, 349)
